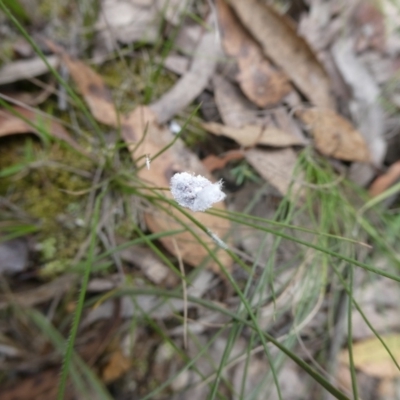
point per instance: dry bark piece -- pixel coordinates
(190, 85)
(11, 124)
(175, 159)
(25, 69)
(258, 79)
(251, 135)
(367, 113)
(281, 43)
(177, 63)
(334, 136)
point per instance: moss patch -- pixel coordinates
(50, 188)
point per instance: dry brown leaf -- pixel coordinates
(258, 79)
(117, 365)
(93, 89)
(286, 49)
(175, 159)
(235, 109)
(190, 85)
(383, 182)
(90, 84)
(373, 359)
(334, 136)
(213, 162)
(285, 122)
(250, 135)
(277, 167)
(11, 124)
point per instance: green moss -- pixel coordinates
(48, 248)
(49, 192)
(54, 268)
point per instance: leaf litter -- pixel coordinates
(263, 84)
(280, 42)
(257, 70)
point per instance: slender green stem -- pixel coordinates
(350, 334)
(235, 317)
(81, 301)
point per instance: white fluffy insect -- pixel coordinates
(195, 192)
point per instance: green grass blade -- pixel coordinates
(81, 301)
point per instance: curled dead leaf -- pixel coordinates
(334, 135)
